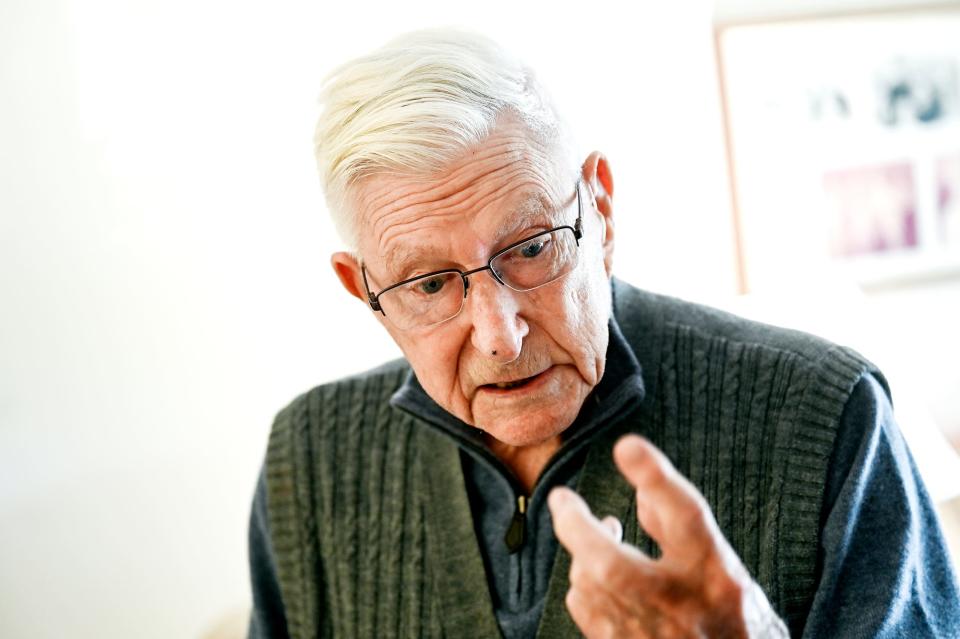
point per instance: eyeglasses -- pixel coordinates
(433, 298)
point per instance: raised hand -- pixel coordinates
(697, 588)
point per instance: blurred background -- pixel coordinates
(164, 277)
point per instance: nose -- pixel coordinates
(498, 329)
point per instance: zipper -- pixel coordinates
(517, 531)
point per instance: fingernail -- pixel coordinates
(614, 526)
(633, 441)
(632, 446)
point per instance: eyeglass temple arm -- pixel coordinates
(371, 298)
(578, 225)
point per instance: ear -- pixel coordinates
(348, 270)
(599, 179)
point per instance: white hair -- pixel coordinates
(414, 106)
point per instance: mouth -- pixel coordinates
(513, 385)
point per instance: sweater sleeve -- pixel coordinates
(884, 567)
(267, 619)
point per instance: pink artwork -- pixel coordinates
(948, 200)
(871, 209)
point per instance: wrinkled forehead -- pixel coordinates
(441, 236)
(500, 188)
(492, 228)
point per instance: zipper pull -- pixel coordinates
(517, 532)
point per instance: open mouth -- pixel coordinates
(514, 384)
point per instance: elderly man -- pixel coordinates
(559, 452)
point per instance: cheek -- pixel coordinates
(589, 303)
(435, 360)
(587, 297)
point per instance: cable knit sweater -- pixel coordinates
(371, 524)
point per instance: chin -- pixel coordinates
(523, 431)
(536, 416)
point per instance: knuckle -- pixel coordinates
(691, 514)
(604, 570)
(576, 575)
(723, 588)
(609, 631)
(609, 571)
(695, 516)
(665, 629)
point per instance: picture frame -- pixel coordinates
(843, 145)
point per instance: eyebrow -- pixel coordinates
(532, 209)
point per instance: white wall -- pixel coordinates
(164, 286)
(725, 11)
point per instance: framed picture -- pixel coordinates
(843, 137)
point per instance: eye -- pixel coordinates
(533, 248)
(431, 285)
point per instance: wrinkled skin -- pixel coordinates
(458, 218)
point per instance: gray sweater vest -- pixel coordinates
(371, 523)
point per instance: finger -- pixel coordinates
(575, 526)
(669, 507)
(614, 527)
(596, 556)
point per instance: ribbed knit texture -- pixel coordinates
(371, 524)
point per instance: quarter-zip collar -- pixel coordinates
(514, 530)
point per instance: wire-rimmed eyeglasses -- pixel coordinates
(436, 297)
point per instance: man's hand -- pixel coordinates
(698, 588)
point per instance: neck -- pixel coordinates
(526, 462)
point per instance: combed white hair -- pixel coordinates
(414, 106)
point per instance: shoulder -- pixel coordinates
(323, 435)
(351, 413)
(372, 386)
(643, 314)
